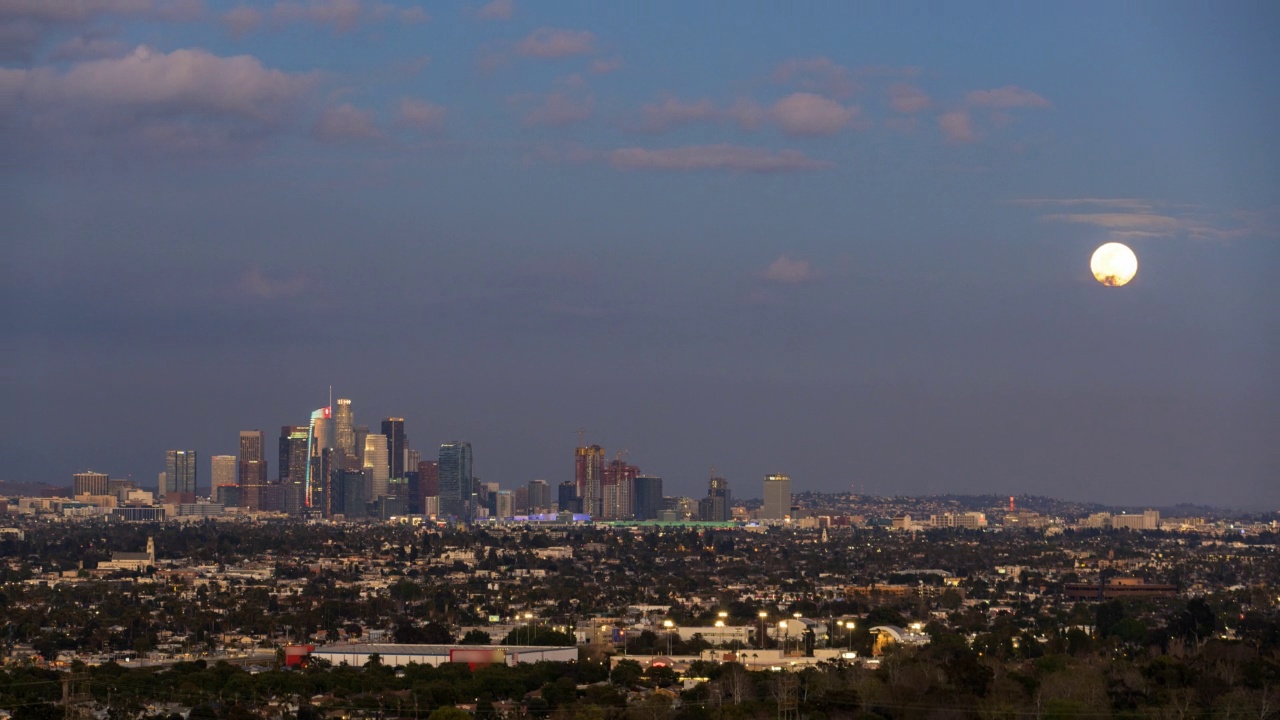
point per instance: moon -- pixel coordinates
(1114, 264)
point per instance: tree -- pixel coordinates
(626, 673)
(477, 637)
(449, 713)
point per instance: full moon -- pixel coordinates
(1114, 264)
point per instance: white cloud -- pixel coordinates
(733, 158)
(421, 116)
(787, 271)
(496, 10)
(346, 122)
(805, 113)
(547, 42)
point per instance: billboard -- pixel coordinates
(478, 656)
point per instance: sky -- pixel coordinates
(848, 242)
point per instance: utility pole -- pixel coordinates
(76, 696)
(788, 705)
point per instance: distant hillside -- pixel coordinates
(12, 489)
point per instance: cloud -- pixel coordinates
(1140, 219)
(817, 74)
(604, 66)
(346, 122)
(733, 158)
(671, 112)
(340, 15)
(907, 99)
(421, 116)
(804, 113)
(256, 285)
(496, 10)
(786, 271)
(547, 42)
(79, 11)
(559, 109)
(184, 84)
(957, 127)
(1005, 97)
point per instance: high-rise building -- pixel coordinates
(222, 470)
(376, 466)
(393, 430)
(89, 483)
(344, 433)
(411, 460)
(588, 475)
(503, 504)
(293, 454)
(351, 493)
(318, 491)
(648, 494)
(617, 489)
(567, 499)
(539, 497)
(180, 476)
(777, 497)
(520, 500)
(429, 478)
(717, 506)
(456, 480)
(361, 432)
(252, 468)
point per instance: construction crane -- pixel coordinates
(581, 435)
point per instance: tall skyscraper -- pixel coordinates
(588, 475)
(362, 432)
(429, 478)
(617, 488)
(777, 497)
(293, 454)
(180, 475)
(344, 433)
(318, 490)
(89, 483)
(251, 468)
(376, 467)
(539, 499)
(456, 480)
(393, 430)
(222, 470)
(648, 492)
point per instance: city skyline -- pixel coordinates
(847, 243)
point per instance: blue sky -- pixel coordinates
(848, 242)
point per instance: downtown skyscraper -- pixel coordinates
(456, 480)
(777, 497)
(588, 477)
(393, 431)
(180, 476)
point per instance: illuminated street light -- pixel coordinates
(668, 625)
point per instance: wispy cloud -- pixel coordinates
(255, 284)
(548, 42)
(907, 99)
(957, 126)
(733, 158)
(340, 15)
(671, 112)
(421, 116)
(1137, 219)
(496, 10)
(805, 113)
(557, 109)
(346, 122)
(788, 271)
(818, 75)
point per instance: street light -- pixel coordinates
(760, 640)
(785, 631)
(529, 627)
(668, 625)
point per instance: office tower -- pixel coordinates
(777, 497)
(717, 506)
(351, 494)
(252, 468)
(393, 431)
(89, 483)
(180, 476)
(344, 433)
(428, 481)
(376, 467)
(456, 480)
(588, 472)
(503, 504)
(648, 494)
(222, 470)
(362, 432)
(567, 499)
(293, 454)
(539, 497)
(616, 490)
(318, 491)
(520, 500)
